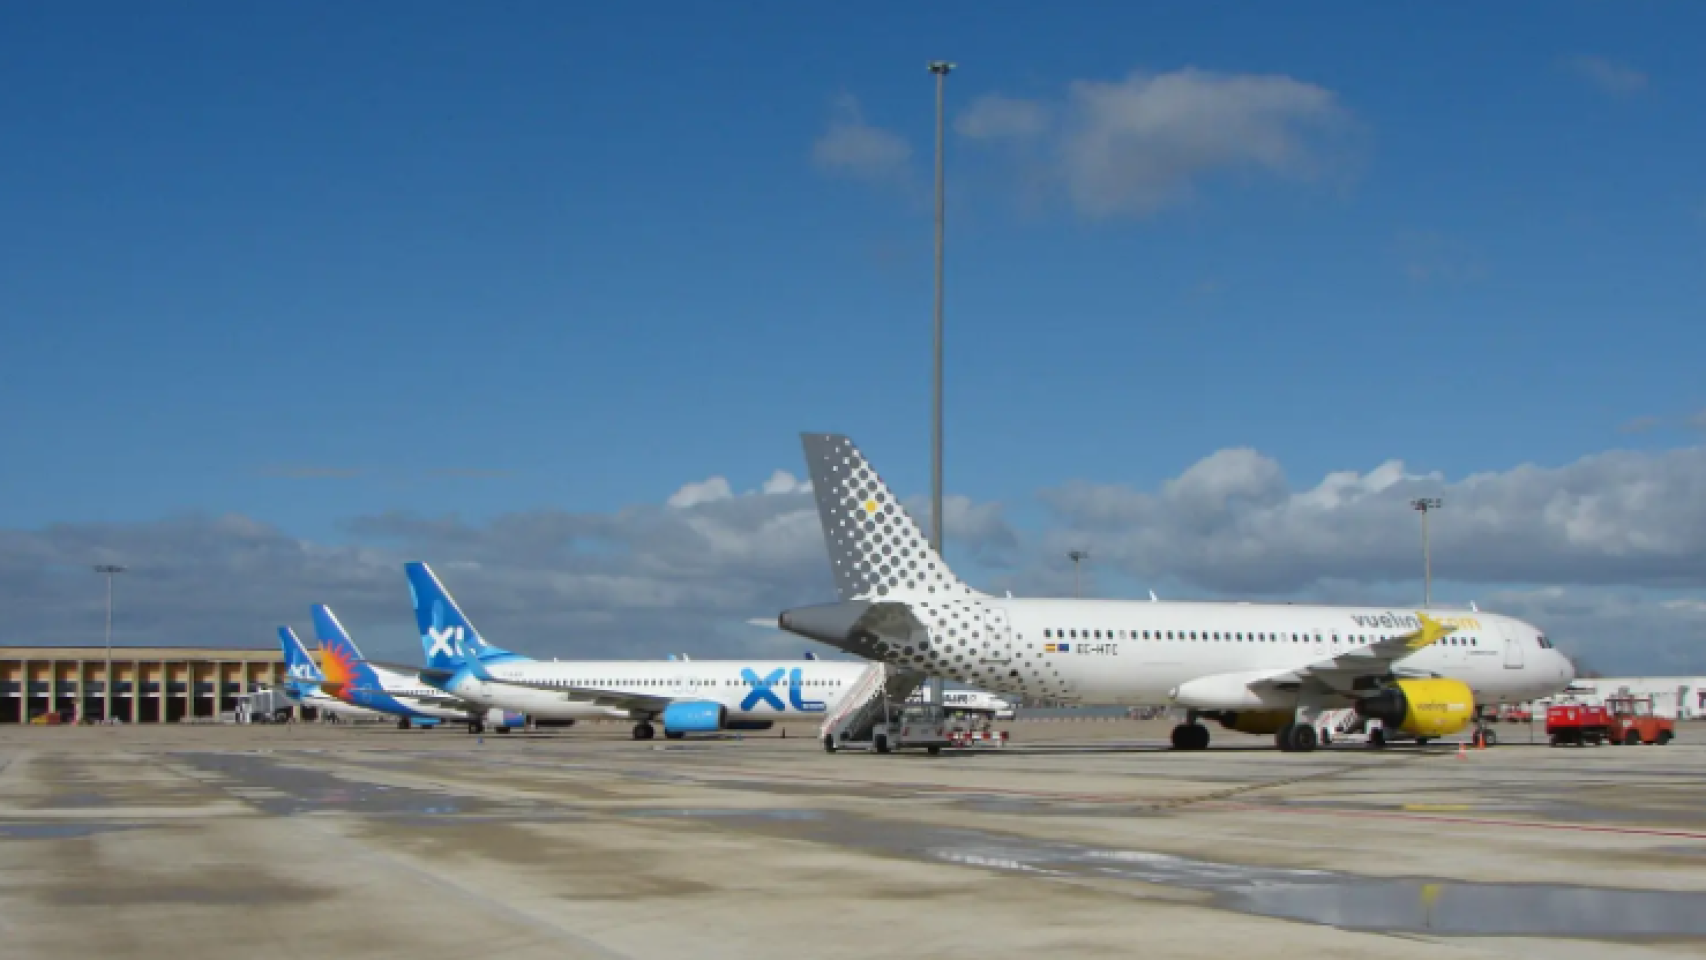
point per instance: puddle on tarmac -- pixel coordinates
(58, 831)
(1407, 905)
(1367, 903)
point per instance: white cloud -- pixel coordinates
(637, 582)
(1607, 552)
(784, 482)
(1608, 76)
(1231, 523)
(1134, 146)
(855, 148)
(706, 491)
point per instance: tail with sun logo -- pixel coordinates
(344, 664)
(875, 549)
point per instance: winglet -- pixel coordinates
(1430, 633)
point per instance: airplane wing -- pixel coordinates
(442, 700)
(427, 674)
(1349, 672)
(620, 699)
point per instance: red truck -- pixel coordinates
(1576, 724)
(1633, 722)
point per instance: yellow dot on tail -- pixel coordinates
(870, 506)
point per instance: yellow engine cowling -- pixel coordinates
(1255, 721)
(1422, 708)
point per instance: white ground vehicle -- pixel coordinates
(911, 727)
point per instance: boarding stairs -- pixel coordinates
(866, 705)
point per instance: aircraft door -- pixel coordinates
(1513, 648)
(997, 639)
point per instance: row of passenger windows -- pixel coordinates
(1234, 635)
(612, 684)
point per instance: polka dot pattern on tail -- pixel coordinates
(876, 550)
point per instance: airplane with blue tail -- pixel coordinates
(351, 678)
(684, 696)
(303, 677)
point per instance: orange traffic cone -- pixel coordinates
(1462, 751)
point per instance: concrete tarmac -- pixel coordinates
(1079, 840)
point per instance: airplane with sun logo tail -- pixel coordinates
(302, 679)
(1256, 668)
(352, 679)
(685, 696)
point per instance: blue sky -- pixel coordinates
(317, 263)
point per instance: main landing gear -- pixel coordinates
(643, 731)
(476, 726)
(1296, 738)
(1190, 736)
(403, 723)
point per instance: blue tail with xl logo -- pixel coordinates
(300, 670)
(447, 638)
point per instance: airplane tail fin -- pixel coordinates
(447, 637)
(875, 549)
(344, 662)
(299, 667)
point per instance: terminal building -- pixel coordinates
(150, 684)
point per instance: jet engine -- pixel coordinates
(1255, 721)
(1422, 708)
(694, 716)
(703, 716)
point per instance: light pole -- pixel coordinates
(110, 570)
(940, 69)
(1425, 505)
(1077, 557)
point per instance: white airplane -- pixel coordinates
(1256, 668)
(302, 681)
(687, 696)
(350, 677)
(967, 701)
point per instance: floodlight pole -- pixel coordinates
(1424, 505)
(110, 570)
(1077, 557)
(941, 69)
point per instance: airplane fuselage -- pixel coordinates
(1149, 654)
(749, 690)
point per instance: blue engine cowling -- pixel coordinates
(694, 716)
